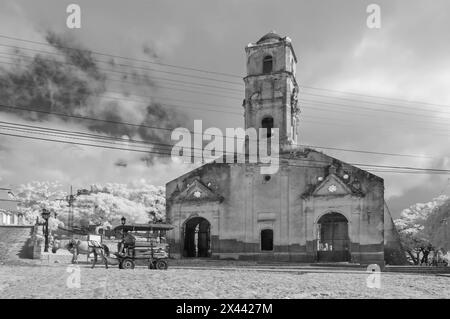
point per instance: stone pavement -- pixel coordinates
(60, 281)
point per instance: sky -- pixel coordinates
(397, 77)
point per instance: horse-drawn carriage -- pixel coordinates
(140, 244)
(143, 243)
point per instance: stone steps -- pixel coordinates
(200, 263)
(14, 242)
(340, 265)
(189, 261)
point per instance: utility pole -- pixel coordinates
(71, 199)
(445, 223)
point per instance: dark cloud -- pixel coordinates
(418, 194)
(72, 82)
(75, 54)
(47, 85)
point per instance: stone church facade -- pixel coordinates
(315, 208)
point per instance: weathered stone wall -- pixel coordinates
(393, 250)
(251, 203)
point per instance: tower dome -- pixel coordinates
(270, 37)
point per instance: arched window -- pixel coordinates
(267, 64)
(267, 123)
(267, 239)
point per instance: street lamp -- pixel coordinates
(123, 220)
(46, 215)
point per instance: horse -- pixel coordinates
(85, 247)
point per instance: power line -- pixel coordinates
(307, 106)
(124, 140)
(313, 107)
(122, 57)
(434, 171)
(176, 106)
(64, 135)
(304, 93)
(372, 109)
(82, 144)
(371, 166)
(196, 69)
(164, 87)
(146, 69)
(171, 129)
(78, 133)
(352, 125)
(314, 101)
(13, 55)
(375, 96)
(233, 112)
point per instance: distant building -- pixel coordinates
(8, 209)
(10, 218)
(316, 208)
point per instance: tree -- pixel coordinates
(414, 229)
(139, 202)
(437, 226)
(35, 196)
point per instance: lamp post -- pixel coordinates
(123, 220)
(46, 215)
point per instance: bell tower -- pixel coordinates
(271, 88)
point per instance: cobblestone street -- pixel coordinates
(56, 281)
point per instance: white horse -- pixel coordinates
(85, 247)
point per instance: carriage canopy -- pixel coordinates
(143, 227)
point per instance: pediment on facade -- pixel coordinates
(333, 185)
(197, 191)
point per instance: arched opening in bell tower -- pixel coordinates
(267, 64)
(267, 123)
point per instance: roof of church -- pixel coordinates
(294, 153)
(270, 37)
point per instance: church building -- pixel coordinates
(315, 208)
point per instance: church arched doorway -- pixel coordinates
(197, 238)
(332, 238)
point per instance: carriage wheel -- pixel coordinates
(128, 264)
(161, 264)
